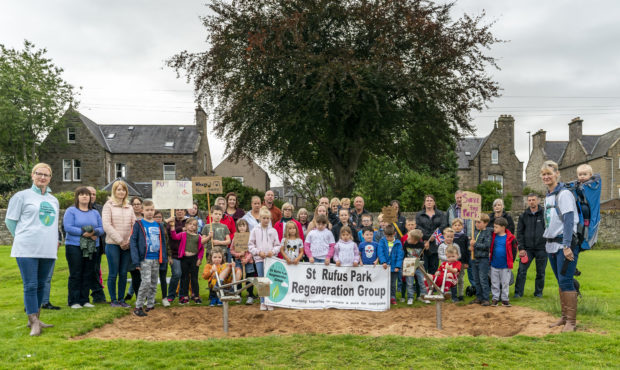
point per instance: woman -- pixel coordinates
(498, 211)
(400, 224)
(304, 220)
(118, 218)
(83, 226)
(320, 210)
(32, 219)
(332, 214)
(563, 250)
(252, 217)
(136, 205)
(428, 220)
(232, 207)
(195, 213)
(287, 215)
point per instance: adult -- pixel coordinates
(232, 206)
(276, 213)
(320, 210)
(96, 286)
(454, 211)
(32, 219)
(399, 225)
(498, 211)
(530, 230)
(428, 220)
(562, 248)
(324, 201)
(253, 216)
(136, 276)
(287, 215)
(304, 219)
(357, 212)
(83, 226)
(118, 219)
(332, 210)
(136, 205)
(173, 251)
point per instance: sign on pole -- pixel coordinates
(207, 185)
(172, 194)
(471, 205)
(390, 215)
(241, 242)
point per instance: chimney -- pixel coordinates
(539, 139)
(506, 123)
(201, 121)
(575, 128)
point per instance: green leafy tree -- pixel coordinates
(244, 194)
(491, 190)
(319, 85)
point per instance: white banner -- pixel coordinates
(316, 286)
(169, 194)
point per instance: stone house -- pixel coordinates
(492, 158)
(84, 153)
(602, 152)
(246, 171)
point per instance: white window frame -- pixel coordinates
(66, 166)
(239, 178)
(498, 178)
(71, 170)
(122, 168)
(169, 174)
(77, 170)
(70, 131)
(494, 156)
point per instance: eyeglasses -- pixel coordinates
(287, 209)
(137, 204)
(44, 175)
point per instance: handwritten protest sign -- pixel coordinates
(207, 185)
(409, 266)
(389, 214)
(471, 206)
(171, 194)
(241, 242)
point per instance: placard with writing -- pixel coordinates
(241, 241)
(172, 194)
(389, 214)
(207, 184)
(471, 205)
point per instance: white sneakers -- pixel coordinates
(249, 301)
(76, 306)
(410, 301)
(88, 305)
(424, 300)
(165, 302)
(263, 307)
(269, 308)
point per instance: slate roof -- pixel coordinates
(133, 189)
(467, 145)
(604, 143)
(589, 141)
(555, 150)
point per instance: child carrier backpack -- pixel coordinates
(588, 203)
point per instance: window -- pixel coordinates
(498, 178)
(238, 178)
(121, 170)
(494, 156)
(169, 144)
(77, 170)
(71, 170)
(170, 171)
(71, 135)
(66, 170)
(111, 136)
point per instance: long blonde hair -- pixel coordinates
(285, 231)
(123, 202)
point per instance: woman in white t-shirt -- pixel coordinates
(561, 220)
(32, 219)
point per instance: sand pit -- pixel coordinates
(196, 322)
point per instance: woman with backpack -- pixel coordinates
(561, 219)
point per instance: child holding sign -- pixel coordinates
(345, 251)
(264, 242)
(217, 234)
(292, 246)
(190, 254)
(244, 259)
(319, 244)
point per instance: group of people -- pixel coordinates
(136, 239)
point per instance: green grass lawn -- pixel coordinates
(599, 346)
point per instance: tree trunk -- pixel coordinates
(344, 171)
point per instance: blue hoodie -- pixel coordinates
(394, 259)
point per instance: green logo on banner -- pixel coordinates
(279, 282)
(47, 213)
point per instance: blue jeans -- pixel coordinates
(471, 277)
(260, 272)
(118, 264)
(565, 281)
(175, 278)
(35, 272)
(48, 285)
(419, 276)
(393, 283)
(480, 267)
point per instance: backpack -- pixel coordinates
(588, 202)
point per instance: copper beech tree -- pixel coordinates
(318, 85)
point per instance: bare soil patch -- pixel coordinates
(199, 322)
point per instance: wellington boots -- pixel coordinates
(35, 327)
(562, 320)
(43, 325)
(571, 311)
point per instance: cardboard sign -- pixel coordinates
(471, 206)
(241, 242)
(409, 266)
(389, 214)
(172, 194)
(207, 185)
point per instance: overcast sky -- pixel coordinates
(561, 60)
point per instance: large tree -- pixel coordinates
(318, 85)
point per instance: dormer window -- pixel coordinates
(130, 128)
(71, 135)
(494, 156)
(111, 136)
(169, 144)
(468, 153)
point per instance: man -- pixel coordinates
(324, 201)
(358, 211)
(97, 291)
(276, 214)
(530, 229)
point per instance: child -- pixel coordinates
(410, 225)
(453, 267)
(163, 267)
(244, 259)
(191, 251)
(448, 235)
(414, 248)
(345, 203)
(390, 253)
(147, 253)
(223, 270)
(461, 240)
(366, 222)
(344, 220)
(292, 246)
(503, 248)
(217, 234)
(380, 234)
(319, 244)
(264, 242)
(345, 251)
(584, 173)
(481, 244)
(368, 248)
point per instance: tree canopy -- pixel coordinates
(320, 85)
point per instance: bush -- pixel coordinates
(244, 194)
(66, 199)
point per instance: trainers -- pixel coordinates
(249, 301)
(212, 302)
(506, 304)
(139, 312)
(517, 295)
(183, 300)
(263, 307)
(76, 305)
(410, 301)
(393, 300)
(219, 303)
(165, 302)
(149, 309)
(197, 300)
(88, 305)
(424, 300)
(115, 304)
(269, 308)
(170, 300)
(50, 306)
(494, 303)
(402, 300)
(485, 303)
(123, 304)
(475, 301)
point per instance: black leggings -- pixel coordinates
(136, 280)
(189, 272)
(162, 279)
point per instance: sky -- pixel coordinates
(559, 60)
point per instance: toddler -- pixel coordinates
(453, 267)
(584, 173)
(319, 244)
(292, 246)
(264, 242)
(191, 251)
(448, 235)
(223, 270)
(345, 251)
(414, 248)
